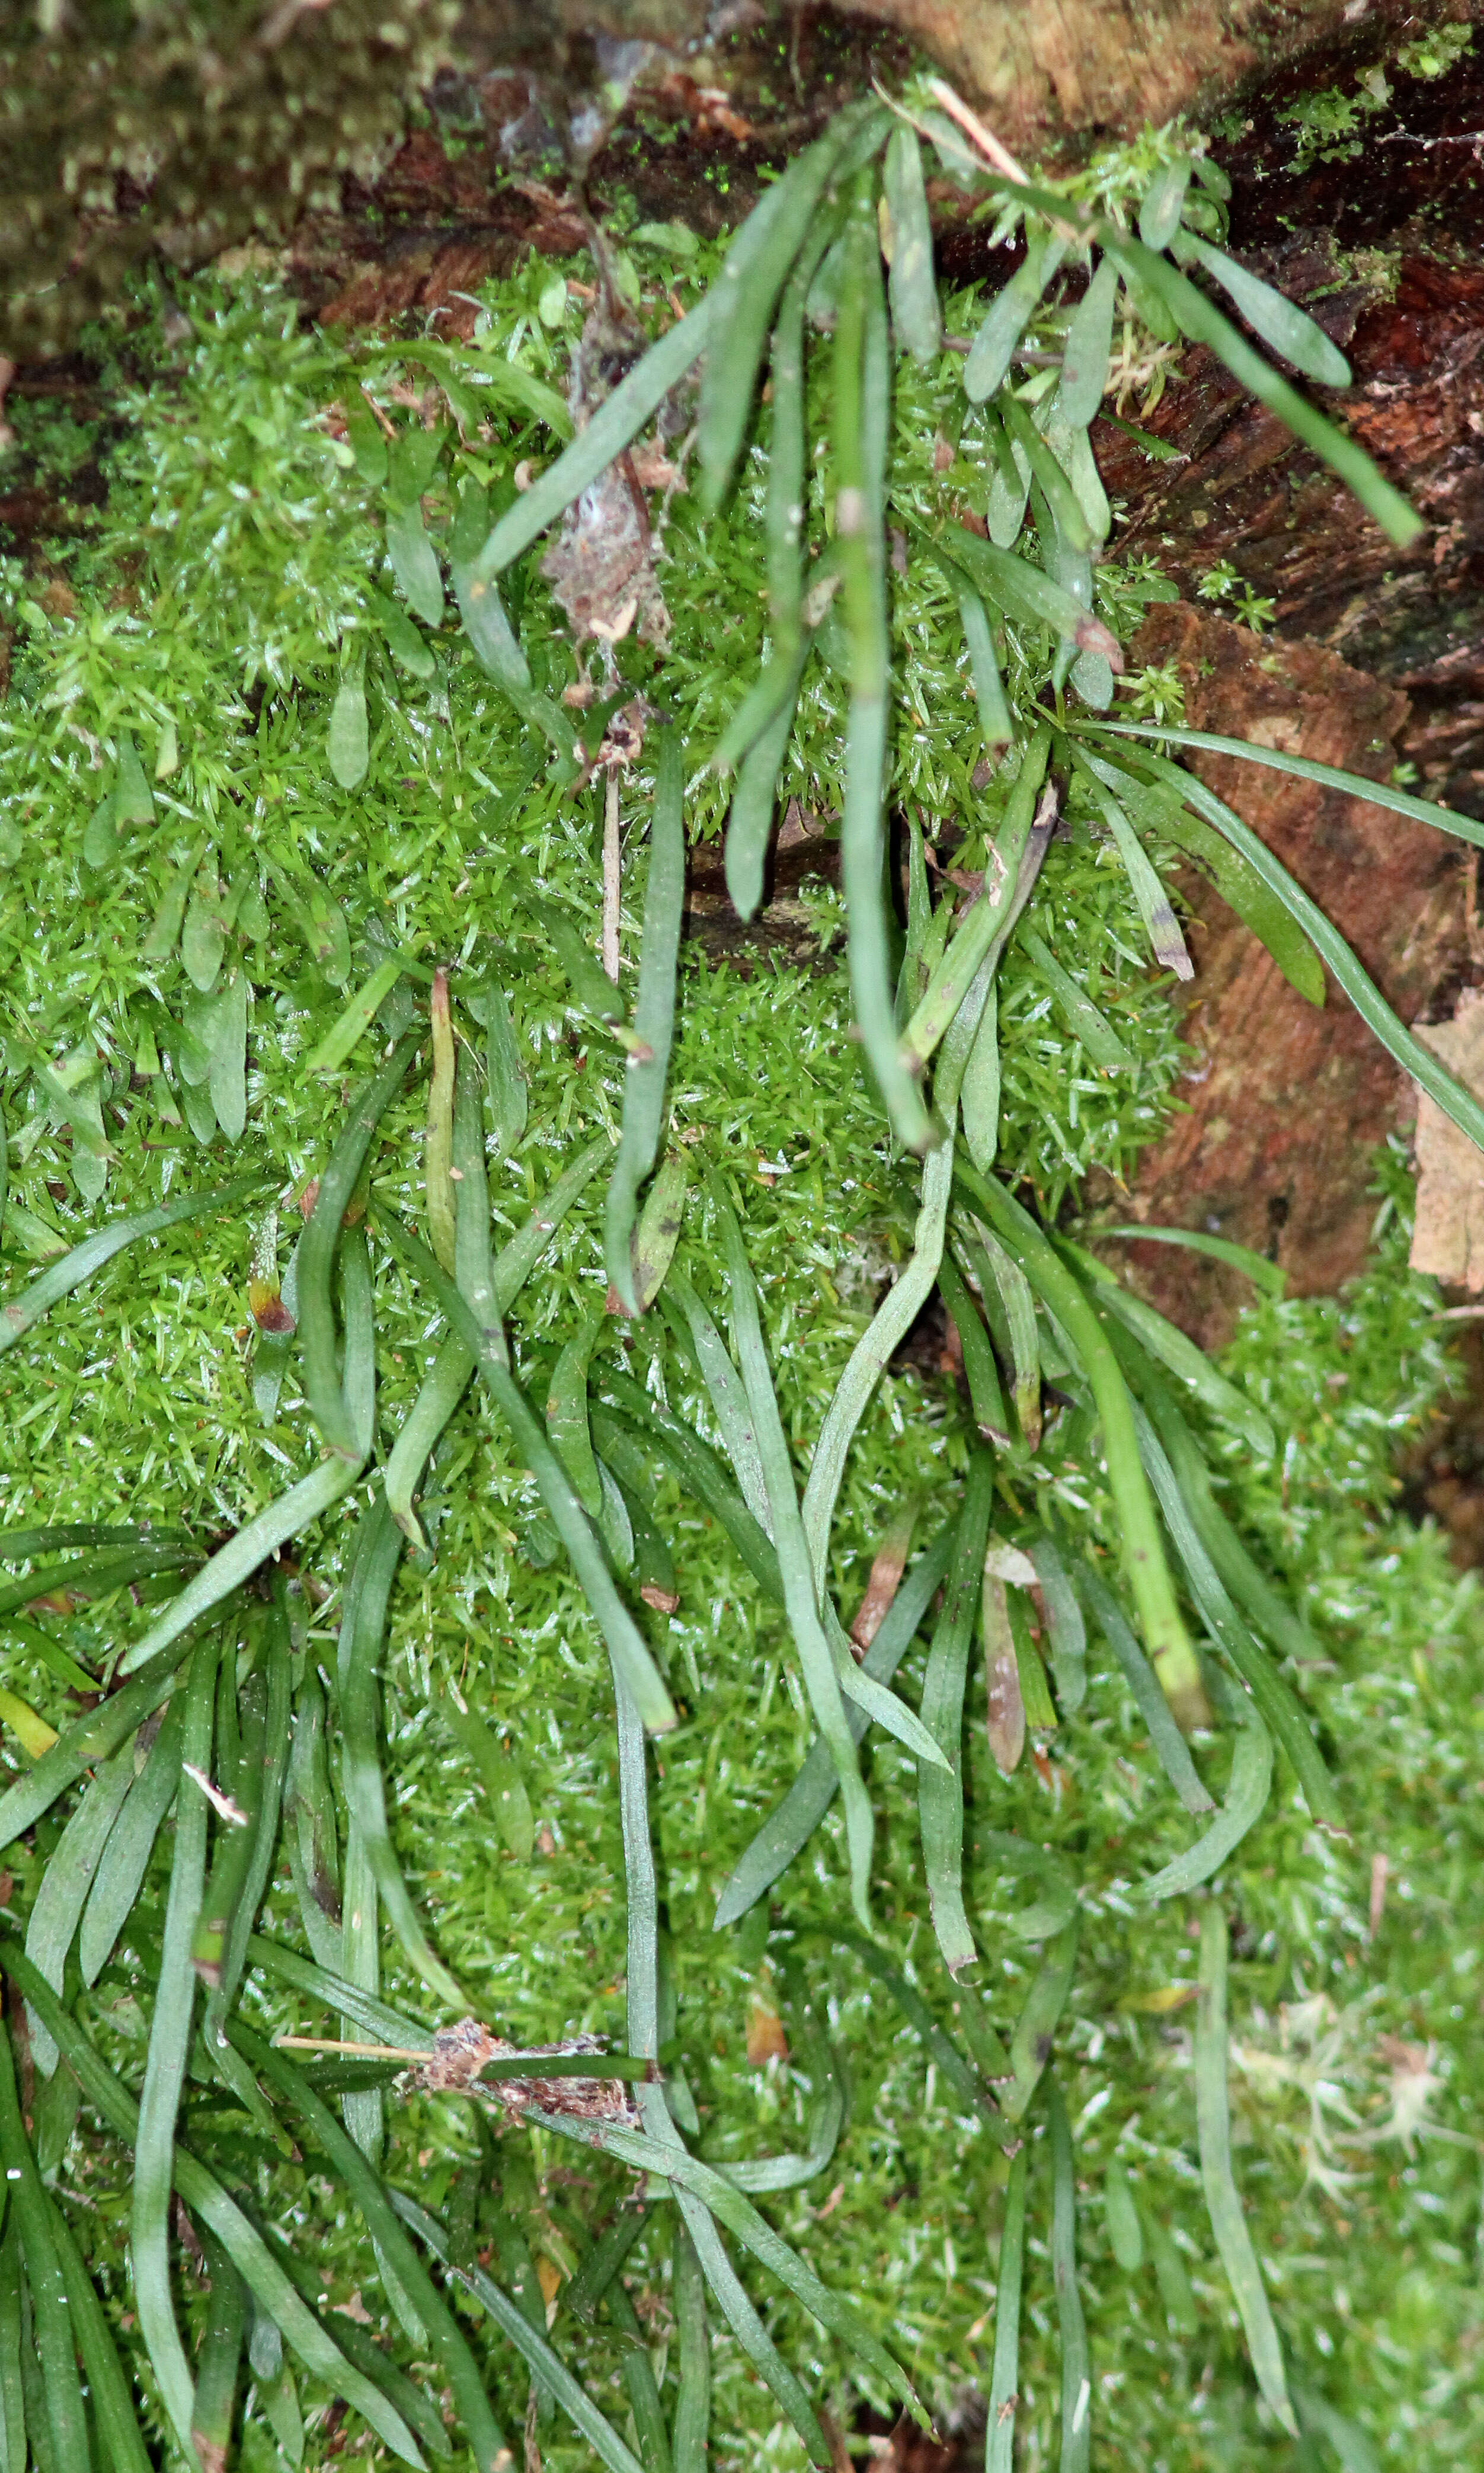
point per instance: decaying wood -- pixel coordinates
(1447, 1235)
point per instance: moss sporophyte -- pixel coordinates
(479, 1551)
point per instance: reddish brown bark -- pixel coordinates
(1284, 1102)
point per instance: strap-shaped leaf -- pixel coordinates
(752, 275)
(941, 1791)
(1007, 318)
(653, 1018)
(613, 426)
(1283, 327)
(1089, 347)
(625, 1643)
(1229, 2225)
(1246, 1800)
(1452, 1097)
(22, 1313)
(916, 315)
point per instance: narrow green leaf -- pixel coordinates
(260, 2270)
(528, 2340)
(453, 1366)
(860, 377)
(164, 931)
(1267, 1276)
(327, 1404)
(240, 1776)
(979, 1097)
(940, 1792)
(1303, 768)
(1246, 1800)
(203, 940)
(787, 476)
(1068, 1632)
(1155, 909)
(51, 2325)
(1061, 497)
(1159, 210)
(952, 2067)
(1104, 1047)
(408, 649)
(1005, 321)
(1089, 347)
(657, 1234)
(438, 1146)
(372, 2202)
(730, 1403)
(698, 1469)
(729, 2206)
(1150, 1701)
(1168, 1344)
(1025, 592)
(415, 563)
(1053, 1909)
(465, 381)
(498, 1774)
(1175, 1660)
(13, 2393)
(653, 1018)
(916, 315)
(622, 1636)
(70, 1873)
(1285, 328)
(996, 723)
(1007, 1283)
(508, 1088)
(266, 1797)
(613, 426)
(1347, 2439)
(889, 1326)
(218, 2363)
(987, 1400)
(347, 745)
(1203, 324)
(988, 922)
(746, 292)
(1162, 810)
(361, 1774)
(91, 1740)
(229, 1077)
(1010, 484)
(812, 1791)
(108, 2387)
(1076, 2368)
(566, 1417)
(1180, 1499)
(22, 1312)
(133, 801)
(236, 1562)
(796, 1563)
(1125, 2234)
(591, 990)
(691, 2427)
(1005, 2376)
(1030, 2045)
(750, 817)
(351, 1024)
(1225, 2207)
(164, 2073)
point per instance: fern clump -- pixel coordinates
(454, 1397)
